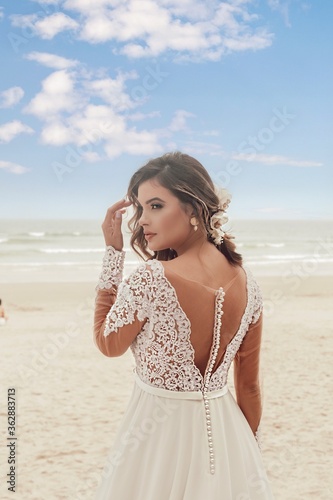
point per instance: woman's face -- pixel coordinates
(164, 217)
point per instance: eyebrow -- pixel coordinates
(152, 199)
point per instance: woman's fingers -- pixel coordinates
(112, 224)
(113, 209)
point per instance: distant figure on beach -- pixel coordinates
(3, 315)
(188, 311)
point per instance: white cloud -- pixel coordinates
(94, 114)
(23, 20)
(91, 156)
(283, 8)
(248, 41)
(178, 122)
(57, 95)
(99, 127)
(275, 160)
(85, 5)
(45, 26)
(13, 168)
(192, 9)
(160, 33)
(49, 26)
(51, 60)
(146, 28)
(10, 97)
(47, 2)
(201, 148)
(9, 130)
(68, 105)
(136, 117)
(56, 133)
(133, 142)
(113, 92)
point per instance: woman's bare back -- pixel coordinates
(195, 284)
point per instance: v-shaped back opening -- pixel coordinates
(198, 282)
(205, 305)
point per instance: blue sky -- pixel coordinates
(90, 90)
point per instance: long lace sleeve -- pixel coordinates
(112, 269)
(246, 369)
(106, 288)
(121, 307)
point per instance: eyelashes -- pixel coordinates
(152, 205)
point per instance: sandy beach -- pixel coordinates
(70, 398)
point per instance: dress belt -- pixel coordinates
(166, 393)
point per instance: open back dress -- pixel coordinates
(183, 436)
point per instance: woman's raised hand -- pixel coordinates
(112, 224)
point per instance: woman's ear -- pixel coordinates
(189, 210)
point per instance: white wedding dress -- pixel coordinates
(183, 435)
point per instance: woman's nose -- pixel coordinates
(142, 219)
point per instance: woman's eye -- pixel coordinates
(155, 205)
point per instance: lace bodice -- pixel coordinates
(162, 349)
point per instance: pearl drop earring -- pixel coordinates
(194, 223)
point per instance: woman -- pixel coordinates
(186, 312)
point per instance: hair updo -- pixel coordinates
(189, 181)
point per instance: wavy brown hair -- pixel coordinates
(190, 182)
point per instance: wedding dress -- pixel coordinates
(183, 436)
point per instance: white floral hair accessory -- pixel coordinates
(219, 218)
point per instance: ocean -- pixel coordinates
(72, 250)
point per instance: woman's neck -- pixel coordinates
(197, 251)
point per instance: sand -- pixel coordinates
(70, 398)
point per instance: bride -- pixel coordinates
(189, 310)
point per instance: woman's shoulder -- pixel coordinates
(146, 271)
(251, 278)
(210, 260)
(214, 271)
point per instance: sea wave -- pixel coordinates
(36, 234)
(71, 250)
(47, 234)
(46, 264)
(288, 256)
(261, 245)
(276, 259)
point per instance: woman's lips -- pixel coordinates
(149, 236)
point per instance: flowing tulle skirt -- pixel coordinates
(161, 450)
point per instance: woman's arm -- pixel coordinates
(116, 343)
(109, 280)
(246, 376)
(121, 306)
